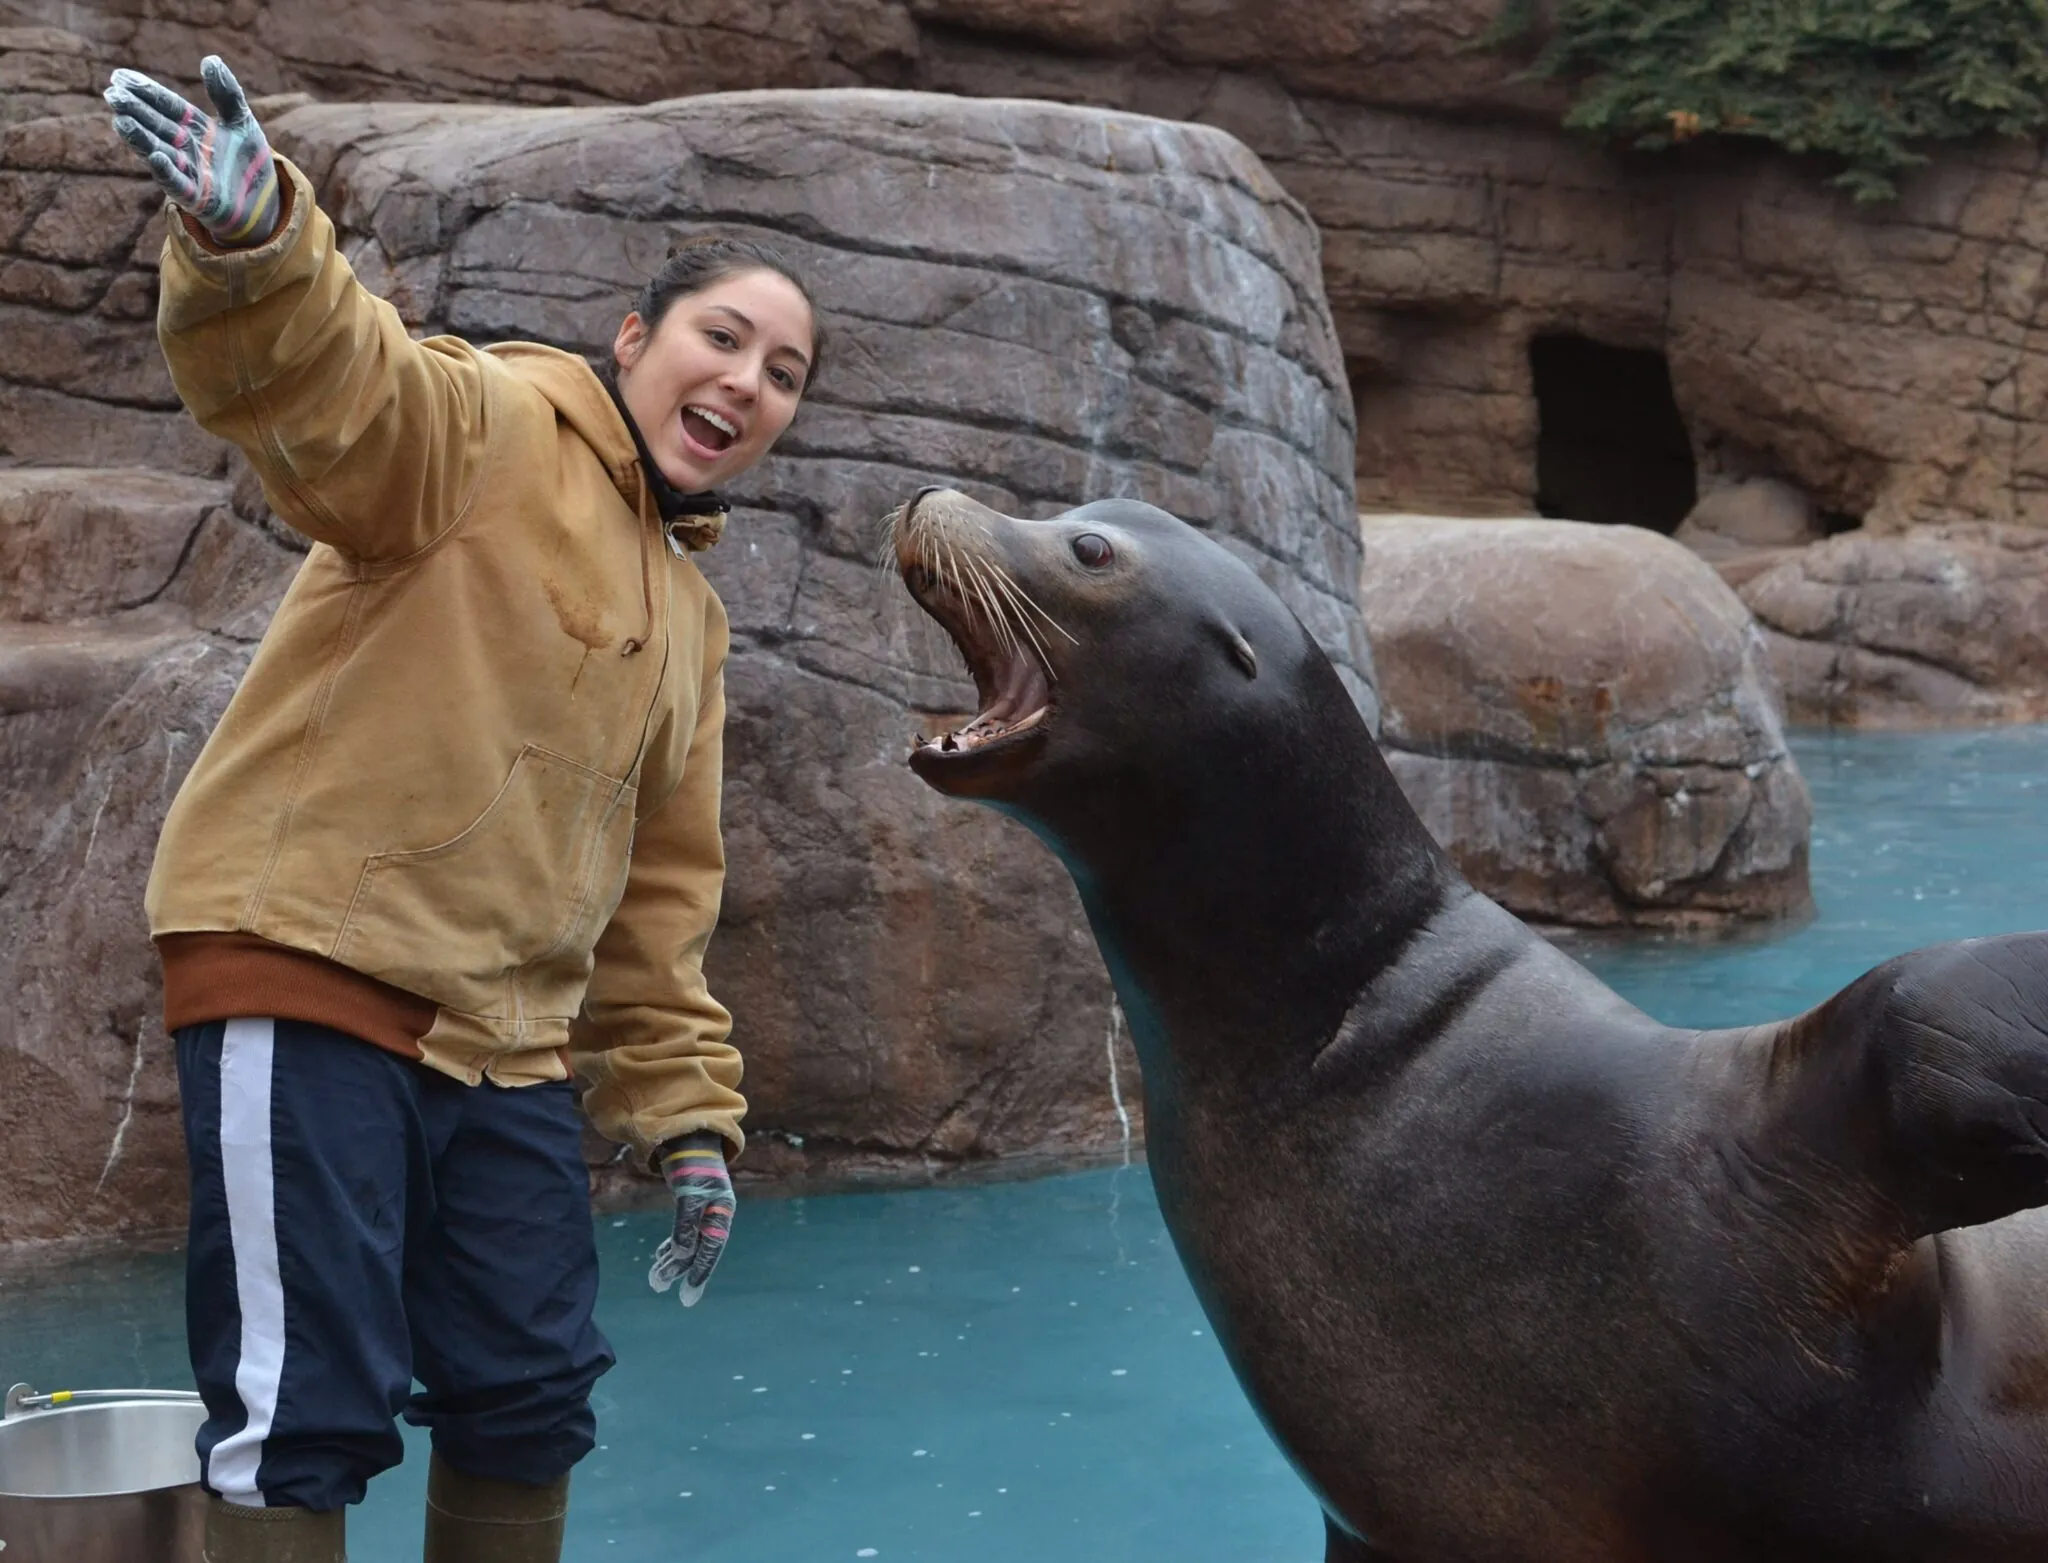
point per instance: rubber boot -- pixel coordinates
(479, 1519)
(235, 1534)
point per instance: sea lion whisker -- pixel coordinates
(1030, 602)
(1007, 585)
(959, 587)
(972, 575)
(1021, 631)
(974, 597)
(998, 619)
(1004, 586)
(1020, 601)
(978, 584)
(887, 531)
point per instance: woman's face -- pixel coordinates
(716, 383)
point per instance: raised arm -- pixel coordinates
(364, 438)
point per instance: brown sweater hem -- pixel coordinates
(226, 976)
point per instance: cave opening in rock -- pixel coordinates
(1611, 445)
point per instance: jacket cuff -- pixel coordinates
(644, 1132)
(724, 1124)
(218, 262)
(729, 1133)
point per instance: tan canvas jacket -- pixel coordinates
(477, 755)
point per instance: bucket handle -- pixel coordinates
(23, 1398)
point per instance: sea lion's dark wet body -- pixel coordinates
(1513, 1273)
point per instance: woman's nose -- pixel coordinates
(742, 380)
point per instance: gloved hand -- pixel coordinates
(694, 1166)
(220, 170)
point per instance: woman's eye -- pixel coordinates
(1093, 551)
(723, 338)
(783, 378)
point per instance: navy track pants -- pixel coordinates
(360, 1221)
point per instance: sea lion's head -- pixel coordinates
(1156, 715)
(1109, 643)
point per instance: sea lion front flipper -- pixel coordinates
(1343, 1547)
(1951, 1043)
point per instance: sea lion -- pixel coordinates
(1512, 1272)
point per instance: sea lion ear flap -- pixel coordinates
(1241, 651)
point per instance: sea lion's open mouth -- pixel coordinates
(1014, 686)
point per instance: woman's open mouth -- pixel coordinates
(710, 433)
(1012, 681)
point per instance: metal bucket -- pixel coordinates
(100, 1476)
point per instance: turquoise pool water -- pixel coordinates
(1018, 1371)
(1917, 838)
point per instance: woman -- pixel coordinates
(456, 834)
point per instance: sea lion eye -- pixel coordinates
(1092, 550)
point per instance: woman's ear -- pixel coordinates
(631, 341)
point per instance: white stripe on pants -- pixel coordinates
(245, 1157)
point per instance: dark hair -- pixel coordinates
(705, 259)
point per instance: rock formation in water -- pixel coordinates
(1587, 716)
(1034, 302)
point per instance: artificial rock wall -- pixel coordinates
(1037, 303)
(1885, 359)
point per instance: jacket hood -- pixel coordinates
(572, 386)
(580, 396)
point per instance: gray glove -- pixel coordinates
(219, 169)
(694, 1166)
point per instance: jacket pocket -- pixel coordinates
(537, 874)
